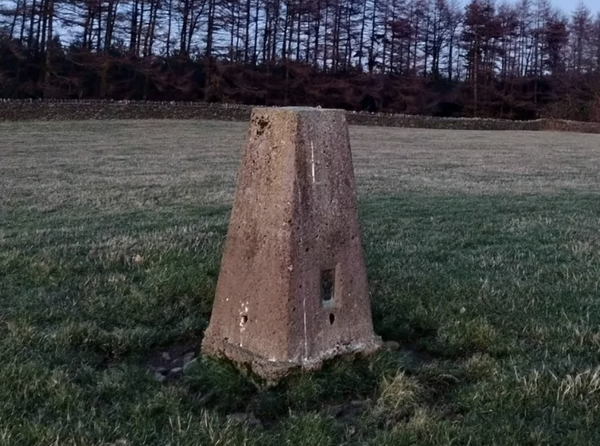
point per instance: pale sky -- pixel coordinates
(569, 5)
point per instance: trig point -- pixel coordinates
(292, 290)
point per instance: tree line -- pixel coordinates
(485, 59)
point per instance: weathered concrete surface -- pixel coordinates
(292, 289)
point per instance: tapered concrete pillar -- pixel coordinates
(292, 290)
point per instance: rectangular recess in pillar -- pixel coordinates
(327, 286)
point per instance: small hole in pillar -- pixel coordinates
(331, 318)
(327, 285)
(244, 319)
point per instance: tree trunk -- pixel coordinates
(134, 28)
(49, 45)
(31, 26)
(13, 23)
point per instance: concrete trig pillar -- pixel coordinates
(292, 289)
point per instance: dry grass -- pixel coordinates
(474, 162)
(144, 164)
(113, 165)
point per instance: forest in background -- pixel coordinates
(520, 60)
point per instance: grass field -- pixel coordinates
(483, 256)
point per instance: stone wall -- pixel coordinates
(428, 122)
(85, 110)
(25, 110)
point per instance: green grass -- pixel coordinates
(483, 256)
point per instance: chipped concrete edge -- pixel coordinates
(272, 371)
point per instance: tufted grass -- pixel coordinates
(483, 255)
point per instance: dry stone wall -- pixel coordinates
(61, 110)
(86, 110)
